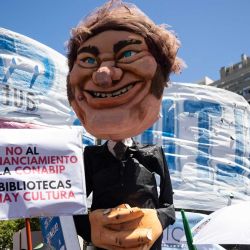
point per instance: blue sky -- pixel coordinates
(213, 33)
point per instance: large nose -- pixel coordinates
(107, 74)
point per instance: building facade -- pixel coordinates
(236, 78)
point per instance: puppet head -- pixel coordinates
(119, 63)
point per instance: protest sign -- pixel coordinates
(60, 233)
(205, 134)
(41, 173)
(32, 82)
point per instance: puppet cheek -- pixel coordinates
(145, 67)
(73, 76)
(79, 76)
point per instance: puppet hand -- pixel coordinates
(125, 234)
(149, 221)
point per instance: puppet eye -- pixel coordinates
(89, 60)
(128, 53)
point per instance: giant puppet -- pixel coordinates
(119, 63)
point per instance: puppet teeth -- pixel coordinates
(111, 94)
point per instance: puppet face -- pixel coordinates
(111, 81)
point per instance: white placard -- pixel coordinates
(205, 135)
(32, 82)
(41, 173)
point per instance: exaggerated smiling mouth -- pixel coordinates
(110, 94)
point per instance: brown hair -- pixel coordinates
(117, 15)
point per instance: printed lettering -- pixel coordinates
(32, 152)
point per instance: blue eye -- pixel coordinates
(90, 60)
(128, 53)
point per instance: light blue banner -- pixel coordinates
(205, 134)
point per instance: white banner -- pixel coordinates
(41, 173)
(32, 82)
(205, 133)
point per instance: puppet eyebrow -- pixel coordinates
(123, 43)
(89, 49)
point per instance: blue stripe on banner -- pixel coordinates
(88, 141)
(239, 147)
(16, 47)
(7, 43)
(235, 171)
(1, 65)
(205, 110)
(147, 136)
(168, 131)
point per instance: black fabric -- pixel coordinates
(120, 149)
(131, 181)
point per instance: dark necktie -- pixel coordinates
(119, 149)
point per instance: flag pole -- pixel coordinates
(28, 233)
(187, 230)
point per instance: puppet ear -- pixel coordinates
(178, 65)
(70, 93)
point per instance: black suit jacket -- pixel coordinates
(131, 181)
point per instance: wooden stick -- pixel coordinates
(28, 233)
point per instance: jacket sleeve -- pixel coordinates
(87, 169)
(82, 223)
(166, 211)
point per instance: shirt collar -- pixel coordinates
(127, 142)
